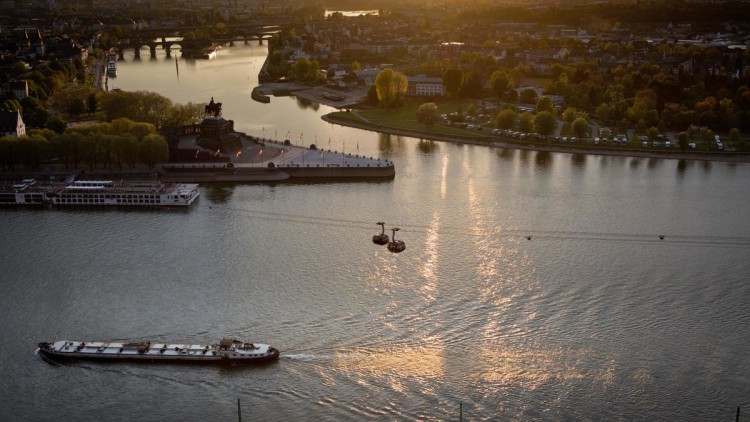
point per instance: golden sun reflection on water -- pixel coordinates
(444, 177)
(530, 368)
(428, 268)
(392, 361)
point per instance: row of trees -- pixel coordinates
(708, 89)
(122, 142)
(149, 107)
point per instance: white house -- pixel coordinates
(425, 86)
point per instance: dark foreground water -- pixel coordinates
(594, 318)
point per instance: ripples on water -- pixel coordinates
(594, 318)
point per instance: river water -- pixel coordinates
(594, 318)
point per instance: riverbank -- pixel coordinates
(362, 123)
(353, 98)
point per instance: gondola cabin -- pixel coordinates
(396, 246)
(382, 238)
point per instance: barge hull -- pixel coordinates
(53, 357)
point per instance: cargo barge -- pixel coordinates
(228, 351)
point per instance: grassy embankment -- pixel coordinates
(404, 119)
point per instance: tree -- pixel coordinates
(9, 154)
(76, 108)
(427, 114)
(146, 107)
(506, 119)
(391, 87)
(141, 129)
(183, 115)
(453, 79)
(580, 127)
(640, 127)
(300, 69)
(372, 94)
(472, 86)
(557, 69)
(501, 83)
(526, 122)
(55, 123)
(544, 103)
(653, 134)
(734, 136)
(545, 123)
(683, 140)
(527, 96)
(153, 149)
(11, 105)
(604, 112)
(91, 103)
(570, 114)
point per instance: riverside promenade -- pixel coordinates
(507, 143)
(265, 160)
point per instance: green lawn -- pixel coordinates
(404, 118)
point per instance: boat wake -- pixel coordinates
(304, 357)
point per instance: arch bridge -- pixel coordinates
(136, 44)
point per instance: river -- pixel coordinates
(594, 318)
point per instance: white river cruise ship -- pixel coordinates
(99, 193)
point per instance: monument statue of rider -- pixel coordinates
(212, 109)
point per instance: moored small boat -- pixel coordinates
(228, 351)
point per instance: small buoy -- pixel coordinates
(661, 237)
(528, 237)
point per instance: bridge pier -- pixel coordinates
(137, 52)
(152, 48)
(260, 41)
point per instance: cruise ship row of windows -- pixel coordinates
(148, 199)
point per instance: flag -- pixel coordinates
(357, 147)
(264, 131)
(259, 153)
(218, 151)
(288, 134)
(329, 143)
(300, 136)
(196, 153)
(239, 152)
